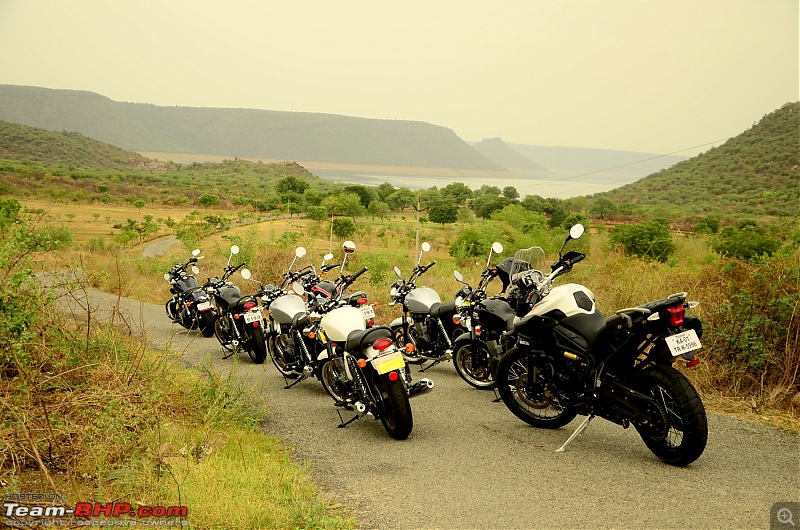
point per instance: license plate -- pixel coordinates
(387, 362)
(683, 342)
(368, 311)
(204, 306)
(251, 317)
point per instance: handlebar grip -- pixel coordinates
(577, 259)
(359, 273)
(429, 265)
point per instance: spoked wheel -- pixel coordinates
(400, 339)
(330, 376)
(223, 332)
(682, 437)
(473, 362)
(395, 409)
(528, 390)
(280, 352)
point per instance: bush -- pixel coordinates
(748, 242)
(649, 240)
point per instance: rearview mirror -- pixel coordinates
(246, 274)
(297, 287)
(497, 247)
(576, 231)
(327, 257)
(349, 247)
(300, 252)
(166, 275)
(234, 249)
(196, 252)
(458, 276)
(396, 271)
(426, 247)
(195, 269)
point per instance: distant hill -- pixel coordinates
(499, 151)
(756, 173)
(21, 142)
(246, 133)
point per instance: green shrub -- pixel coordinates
(649, 240)
(748, 242)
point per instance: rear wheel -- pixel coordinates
(682, 438)
(528, 390)
(257, 347)
(281, 354)
(393, 402)
(473, 363)
(207, 323)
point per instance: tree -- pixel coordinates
(139, 204)
(343, 228)
(291, 184)
(603, 207)
(348, 204)
(400, 199)
(9, 211)
(379, 209)
(510, 192)
(456, 192)
(317, 213)
(365, 194)
(207, 200)
(384, 190)
(444, 214)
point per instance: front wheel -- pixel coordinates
(527, 387)
(683, 438)
(257, 347)
(222, 330)
(393, 401)
(401, 338)
(331, 376)
(473, 362)
(281, 354)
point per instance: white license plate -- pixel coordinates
(204, 306)
(387, 362)
(251, 317)
(683, 342)
(368, 311)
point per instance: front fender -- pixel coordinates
(396, 323)
(461, 339)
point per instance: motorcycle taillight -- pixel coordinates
(249, 305)
(362, 301)
(676, 313)
(382, 343)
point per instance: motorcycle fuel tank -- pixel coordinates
(285, 308)
(569, 299)
(339, 323)
(421, 299)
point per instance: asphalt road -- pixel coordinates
(469, 463)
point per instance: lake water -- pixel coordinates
(558, 186)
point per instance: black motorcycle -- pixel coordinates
(425, 332)
(240, 323)
(189, 306)
(569, 359)
(490, 324)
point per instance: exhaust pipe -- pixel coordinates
(424, 386)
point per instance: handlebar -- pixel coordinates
(351, 279)
(326, 268)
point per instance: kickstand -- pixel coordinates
(579, 430)
(290, 385)
(343, 423)
(497, 397)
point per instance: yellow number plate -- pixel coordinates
(388, 362)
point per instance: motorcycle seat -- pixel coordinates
(359, 339)
(439, 310)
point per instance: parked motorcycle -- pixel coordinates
(240, 323)
(425, 331)
(361, 368)
(490, 324)
(569, 359)
(189, 306)
(291, 350)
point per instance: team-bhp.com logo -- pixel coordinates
(22, 513)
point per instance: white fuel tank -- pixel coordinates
(284, 308)
(340, 322)
(421, 299)
(571, 299)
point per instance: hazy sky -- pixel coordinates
(645, 75)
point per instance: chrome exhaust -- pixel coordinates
(423, 386)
